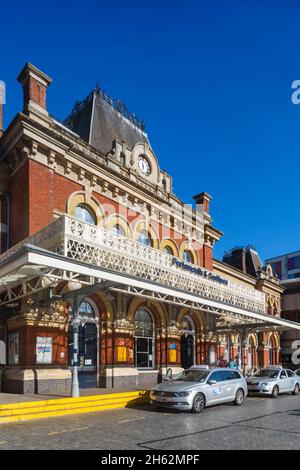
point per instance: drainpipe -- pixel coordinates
(7, 200)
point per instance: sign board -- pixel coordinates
(43, 350)
(173, 355)
(200, 272)
(122, 353)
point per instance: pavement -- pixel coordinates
(261, 423)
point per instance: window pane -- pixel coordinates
(118, 230)
(144, 238)
(187, 324)
(168, 250)
(216, 376)
(142, 360)
(187, 257)
(143, 324)
(85, 215)
(226, 375)
(142, 345)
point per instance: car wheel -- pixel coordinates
(296, 389)
(198, 403)
(239, 397)
(275, 391)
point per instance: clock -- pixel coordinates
(144, 165)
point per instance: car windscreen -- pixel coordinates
(193, 375)
(270, 373)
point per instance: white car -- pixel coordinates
(272, 381)
(198, 387)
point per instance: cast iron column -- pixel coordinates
(75, 323)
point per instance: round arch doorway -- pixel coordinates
(187, 343)
(87, 344)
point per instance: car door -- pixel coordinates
(283, 382)
(214, 389)
(291, 380)
(228, 384)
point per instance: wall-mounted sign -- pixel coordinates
(200, 272)
(13, 349)
(172, 346)
(173, 355)
(43, 350)
(122, 353)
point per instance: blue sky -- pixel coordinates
(211, 79)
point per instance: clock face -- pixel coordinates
(144, 165)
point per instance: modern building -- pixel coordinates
(95, 244)
(286, 266)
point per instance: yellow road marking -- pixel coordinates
(67, 430)
(128, 420)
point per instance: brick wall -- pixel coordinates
(19, 190)
(37, 191)
(47, 192)
(27, 345)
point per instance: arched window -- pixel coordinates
(85, 214)
(144, 339)
(187, 324)
(168, 250)
(272, 352)
(118, 230)
(144, 238)
(85, 311)
(187, 256)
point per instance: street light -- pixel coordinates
(75, 325)
(75, 285)
(244, 354)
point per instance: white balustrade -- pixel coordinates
(98, 246)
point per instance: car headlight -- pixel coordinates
(265, 384)
(181, 394)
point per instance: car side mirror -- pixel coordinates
(212, 382)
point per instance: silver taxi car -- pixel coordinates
(272, 381)
(198, 387)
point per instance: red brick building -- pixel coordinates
(91, 231)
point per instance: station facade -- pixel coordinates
(92, 234)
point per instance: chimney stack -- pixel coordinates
(35, 84)
(237, 259)
(203, 199)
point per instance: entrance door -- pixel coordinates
(87, 374)
(87, 354)
(187, 351)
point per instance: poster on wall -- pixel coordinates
(122, 353)
(13, 349)
(43, 350)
